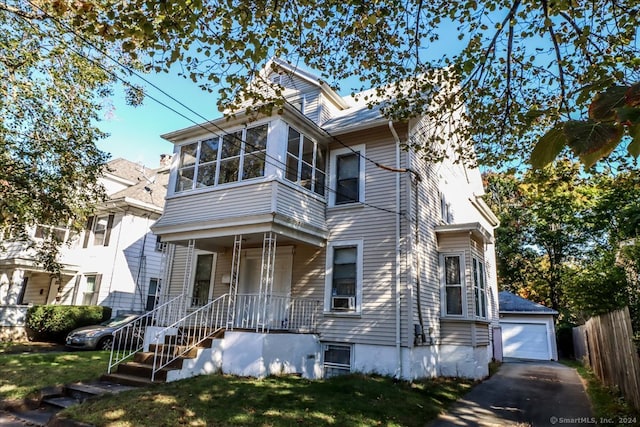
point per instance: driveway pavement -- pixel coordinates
(524, 394)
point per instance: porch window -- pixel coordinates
(453, 285)
(347, 176)
(479, 288)
(344, 287)
(223, 159)
(337, 360)
(202, 280)
(306, 162)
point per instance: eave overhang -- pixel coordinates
(473, 228)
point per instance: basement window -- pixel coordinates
(337, 360)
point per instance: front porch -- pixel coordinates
(230, 308)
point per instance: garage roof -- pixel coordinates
(512, 303)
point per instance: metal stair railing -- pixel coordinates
(188, 332)
(129, 339)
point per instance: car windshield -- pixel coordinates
(117, 321)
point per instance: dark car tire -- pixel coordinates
(105, 344)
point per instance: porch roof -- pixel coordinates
(222, 231)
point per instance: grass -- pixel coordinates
(607, 403)
(23, 374)
(221, 400)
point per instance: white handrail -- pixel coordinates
(129, 339)
(188, 332)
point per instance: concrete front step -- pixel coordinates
(128, 380)
(72, 394)
(142, 370)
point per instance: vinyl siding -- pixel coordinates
(211, 205)
(223, 206)
(465, 333)
(299, 205)
(36, 282)
(376, 228)
(428, 212)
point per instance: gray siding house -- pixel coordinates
(284, 233)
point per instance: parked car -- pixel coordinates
(100, 337)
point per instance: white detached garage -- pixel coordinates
(528, 330)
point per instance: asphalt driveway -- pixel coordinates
(524, 394)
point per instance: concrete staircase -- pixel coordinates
(42, 408)
(138, 372)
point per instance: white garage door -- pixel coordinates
(525, 341)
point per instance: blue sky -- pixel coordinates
(135, 131)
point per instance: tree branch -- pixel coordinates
(556, 48)
(22, 13)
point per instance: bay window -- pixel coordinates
(233, 157)
(453, 285)
(479, 288)
(305, 162)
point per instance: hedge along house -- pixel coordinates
(318, 262)
(115, 261)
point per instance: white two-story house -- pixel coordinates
(116, 261)
(327, 246)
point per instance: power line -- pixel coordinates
(233, 135)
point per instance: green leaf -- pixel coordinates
(632, 96)
(634, 146)
(628, 115)
(592, 141)
(548, 147)
(604, 103)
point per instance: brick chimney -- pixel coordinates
(165, 160)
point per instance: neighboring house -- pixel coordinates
(528, 328)
(314, 260)
(115, 262)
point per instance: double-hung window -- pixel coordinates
(479, 288)
(347, 176)
(305, 162)
(453, 285)
(344, 281)
(233, 157)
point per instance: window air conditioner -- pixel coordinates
(343, 303)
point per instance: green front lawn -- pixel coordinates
(22, 374)
(221, 400)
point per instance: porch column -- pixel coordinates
(233, 283)
(188, 278)
(16, 286)
(266, 279)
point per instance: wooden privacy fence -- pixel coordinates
(605, 343)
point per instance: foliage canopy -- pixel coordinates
(514, 70)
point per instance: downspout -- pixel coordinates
(398, 342)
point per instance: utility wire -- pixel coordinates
(233, 135)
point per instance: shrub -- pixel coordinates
(52, 323)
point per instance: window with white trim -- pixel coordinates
(453, 283)
(233, 157)
(479, 288)
(347, 181)
(306, 162)
(344, 279)
(336, 360)
(91, 289)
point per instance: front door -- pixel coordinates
(251, 307)
(54, 288)
(202, 289)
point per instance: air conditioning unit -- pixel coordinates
(343, 303)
